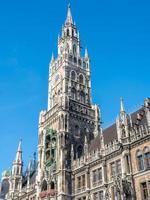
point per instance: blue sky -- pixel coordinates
(117, 34)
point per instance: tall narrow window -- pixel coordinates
(73, 93)
(79, 151)
(112, 193)
(73, 75)
(118, 166)
(144, 191)
(113, 171)
(83, 181)
(79, 182)
(94, 176)
(74, 49)
(140, 162)
(44, 186)
(101, 196)
(52, 185)
(127, 163)
(82, 97)
(81, 79)
(95, 196)
(99, 174)
(68, 32)
(147, 160)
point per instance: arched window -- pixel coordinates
(70, 58)
(74, 49)
(79, 151)
(73, 93)
(52, 185)
(127, 163)
(68, 32)
(81, 79)
(77, 130)
(79, 62)
(73, 75)
(75, 60)
(84, 65)
(44, 186)
(140, 161)
(72, 33)
(66, 122)
(123, 132)
(82, 97)
(62, 121)
(147, 157)
(48, 139)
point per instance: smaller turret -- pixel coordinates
(86, 54)
(16, 177)
(17, 164)
(122, 123)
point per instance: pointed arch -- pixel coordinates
(68, 32)
(79, 151)
(73, 75)
(81, 79)
(146, 152)
(73, 93)
(44, 186)
(52, 185)
(74, 49)
(82, 97)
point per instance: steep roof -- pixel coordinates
(95, 144)
(110, 134)
(4, 188)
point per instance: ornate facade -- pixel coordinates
(77, 159)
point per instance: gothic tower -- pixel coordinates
(16, 174)
(70, 116)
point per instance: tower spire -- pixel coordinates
(69, 15)
(19, 153)
(121, 105)
(86, 53)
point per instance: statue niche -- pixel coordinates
(50, 147)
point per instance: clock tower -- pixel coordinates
(70, 119)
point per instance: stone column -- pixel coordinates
(104, 172)
(123, 166)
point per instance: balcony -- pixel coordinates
(97, 183)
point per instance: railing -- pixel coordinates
(97, 183)
(51, 112)
(79, 190)
(47, 193)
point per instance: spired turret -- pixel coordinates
(122, 123)
(16, 176)
(17, 164)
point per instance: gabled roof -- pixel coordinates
(110, 134)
